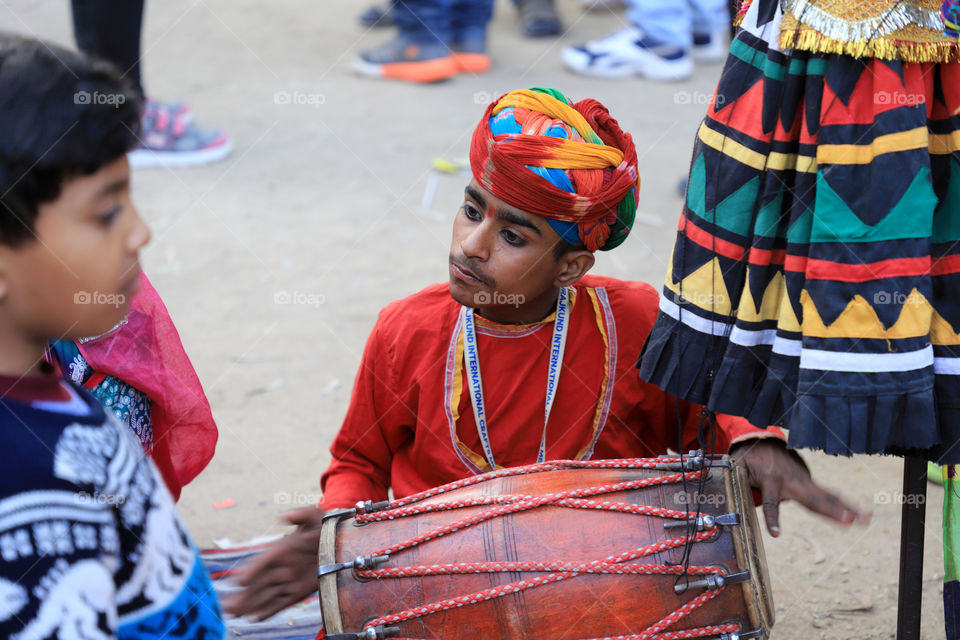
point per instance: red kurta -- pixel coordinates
(410, 425)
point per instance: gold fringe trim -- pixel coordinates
(884, 48)
(741, 12)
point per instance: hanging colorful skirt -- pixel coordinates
(815, 278)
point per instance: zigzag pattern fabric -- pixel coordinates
(817, 262)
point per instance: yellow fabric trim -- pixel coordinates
(917, 138)
(944, 143)
(602, 326)
(705, 288)
(745, 155)
(859, 320)
(941, 333)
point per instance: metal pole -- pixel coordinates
(912, 520)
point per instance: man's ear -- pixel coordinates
(572, 266)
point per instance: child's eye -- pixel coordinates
(106, 219)
(512, 238)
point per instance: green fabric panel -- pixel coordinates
(757, 59)
(768, 218)
(697, 187)
(799, 231)
(909, 218)
(946, 221)
(735, 212)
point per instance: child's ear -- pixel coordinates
(573, 266)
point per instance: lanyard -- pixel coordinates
(472, 361)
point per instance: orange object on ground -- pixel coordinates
(472, 62)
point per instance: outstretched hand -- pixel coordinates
(780, 475)
(284, 574)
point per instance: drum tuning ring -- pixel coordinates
(380, 632)
(362, 563)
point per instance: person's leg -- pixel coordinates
(711, 21)
(425, 21)
(110, 29)
(665, 22)
(470, 20)
(538, 18)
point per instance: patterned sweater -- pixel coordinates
(91, 545)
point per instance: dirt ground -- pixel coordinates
(275, 262)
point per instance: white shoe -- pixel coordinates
(627, 53)
(710, 47)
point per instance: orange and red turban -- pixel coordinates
(570, 163)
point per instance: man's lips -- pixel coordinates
(465, 274)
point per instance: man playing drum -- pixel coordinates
(452, 378)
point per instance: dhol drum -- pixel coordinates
(660, 548)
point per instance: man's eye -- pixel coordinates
(470, 212)
(512, 238)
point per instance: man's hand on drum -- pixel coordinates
(779, 474)
(284, 574)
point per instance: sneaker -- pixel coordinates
(404, 59)
(168, 138)
(709, 47)
(376, 17)
(626, 53)
(470, 50)
(538, 18)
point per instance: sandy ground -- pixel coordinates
(320, 207)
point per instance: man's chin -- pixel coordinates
(460, 293)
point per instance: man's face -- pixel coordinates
(501, 258)
(76, 277)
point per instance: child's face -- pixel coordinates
(76, 277)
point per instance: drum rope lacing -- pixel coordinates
(558, 570)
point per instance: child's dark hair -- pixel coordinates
(63, 114)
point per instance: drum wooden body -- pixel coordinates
(580, 605)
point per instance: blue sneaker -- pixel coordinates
(629, 53)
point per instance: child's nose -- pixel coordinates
(139, 234)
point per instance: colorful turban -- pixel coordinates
(569, 163)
